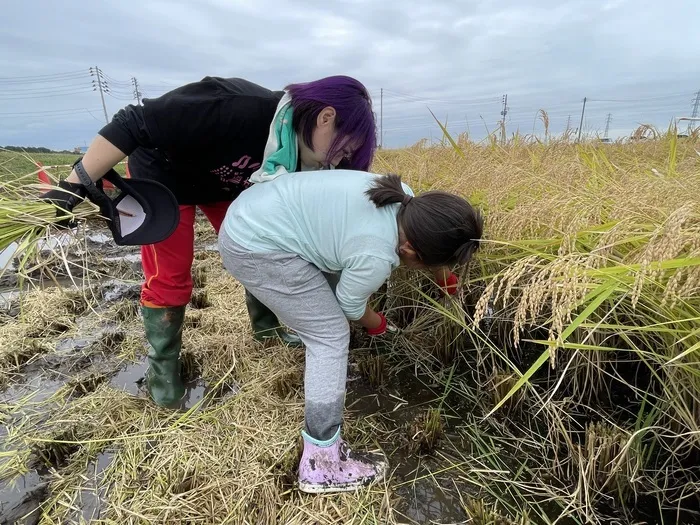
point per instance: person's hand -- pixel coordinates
(450, 285)
(383, 328)
(66, 197)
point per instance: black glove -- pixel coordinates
(66, 197)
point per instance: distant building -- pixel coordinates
(79, 150)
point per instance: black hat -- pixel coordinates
(131, 215)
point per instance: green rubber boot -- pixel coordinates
(164, 333)
(265, 323)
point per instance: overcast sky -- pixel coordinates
(635, 59)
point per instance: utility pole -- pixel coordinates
(568, 124)
(98, 73)
(504, 112)
(580, 127)
(137, 93)
(696, 106)
(607, 125)
(381, 118)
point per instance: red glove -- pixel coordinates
(449, 285)
(380, 330)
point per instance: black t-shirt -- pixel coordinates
(203, 140)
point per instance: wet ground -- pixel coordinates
(82, 361)
(429, 494)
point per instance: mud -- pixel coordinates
(20, 500)
(427, 496)
(79, 362)
(92, 496)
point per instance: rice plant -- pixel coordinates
(564, 379)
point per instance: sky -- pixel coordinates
(635, 60)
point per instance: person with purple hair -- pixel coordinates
(207, 142)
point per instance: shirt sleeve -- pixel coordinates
(362, 276)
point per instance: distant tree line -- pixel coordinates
(30, 149)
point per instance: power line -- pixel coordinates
(117, 82)
(42, 78)
(43, 90)
(661, 97)
(46, 112)
(49, 95)
(415, 98)
(61, 117)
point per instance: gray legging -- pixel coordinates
(302, 298)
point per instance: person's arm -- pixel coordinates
(100, 157)
(128, 130)
(370, 320)
(362, 276)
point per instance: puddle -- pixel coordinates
(115, 290)
(6, 257)
(398, 404)
(92, 496)
(195, 391)
(99, 238)
(38, 387)
(130, 258)
(56, 241)
(22, 399)
(427, 503)
(21, 498)
(7, 298)
(74, 361)
(130, 377)
(72, 344)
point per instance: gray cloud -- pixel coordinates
(634, 59)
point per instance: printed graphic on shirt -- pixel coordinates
(238, 172)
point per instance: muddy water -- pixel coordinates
(44, 376)
(22, 498)
(7, 256)
(92, 495)
(426, 497)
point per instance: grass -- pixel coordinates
(14, 165)
(561, 385)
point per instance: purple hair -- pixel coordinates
(354, 117)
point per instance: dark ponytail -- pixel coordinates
(386, 190)
(443, 228)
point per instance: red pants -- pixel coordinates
(167, 266)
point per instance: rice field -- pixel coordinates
(562, 385)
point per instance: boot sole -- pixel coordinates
(313, 488)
